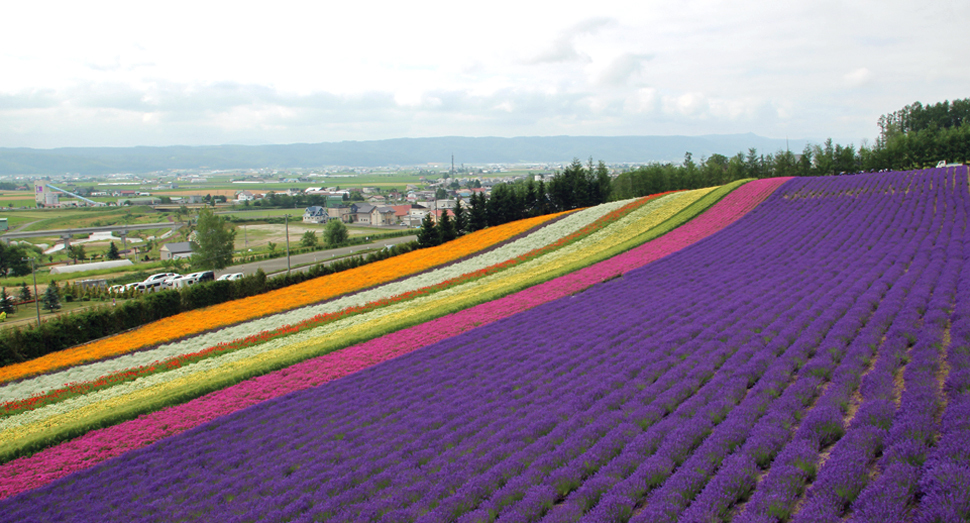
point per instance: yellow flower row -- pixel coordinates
(288, 298)
(358, 328)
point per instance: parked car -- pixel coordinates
(120, 289)
(189, 279)
(156, 281)
(231, 276)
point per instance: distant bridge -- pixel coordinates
(67, 234)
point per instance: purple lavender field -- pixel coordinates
(809, 363)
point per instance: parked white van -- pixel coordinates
(156, 281)
(190, 279)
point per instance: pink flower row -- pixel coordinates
(96, 446)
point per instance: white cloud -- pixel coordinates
(563, 48)
(687, 104)
(858, 77)
(125, 73)
(625, 69)
(644, 100)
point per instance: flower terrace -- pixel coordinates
(769, 351)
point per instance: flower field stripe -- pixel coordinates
(23, 473)
(681, 483)
(63, 384)
(893, 479)
(713, 375)
(126, 400)
(851, 363)
(710, 400)
(945, 476)
(299, 295)
(846, 472)
(716, 500)
(866, 436)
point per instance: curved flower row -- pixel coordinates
(26, 430)
(304, 344)
(569, 228)
(302, 294)
(43, 467)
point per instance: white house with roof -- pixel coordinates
(315, 214)
(175, 250)
(383, 216)
(362, 212)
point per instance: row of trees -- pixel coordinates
(914, 137)
(50, 301)
(576, 186)
(921, 135)
(286, 201)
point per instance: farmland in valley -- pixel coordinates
(775, 350)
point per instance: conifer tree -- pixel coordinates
(542, 200)
(446, 227)
(478, 218)
(461, 218)
(428, 235)
(52, 298)
(25, 294)
(6, 302)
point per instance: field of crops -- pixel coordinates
(780, 350)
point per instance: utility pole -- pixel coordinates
(286, 221)
(33, 272)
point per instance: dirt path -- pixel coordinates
(23, 226)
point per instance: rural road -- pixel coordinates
(277, 265)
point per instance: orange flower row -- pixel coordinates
(292, 297)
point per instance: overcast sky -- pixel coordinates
(202, 73)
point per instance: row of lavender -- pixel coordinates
(755, 375)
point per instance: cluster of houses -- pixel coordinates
(375, 209)
(409, 215)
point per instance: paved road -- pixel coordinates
(277, 265)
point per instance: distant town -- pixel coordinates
(367, 196)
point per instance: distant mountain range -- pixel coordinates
(399, 151)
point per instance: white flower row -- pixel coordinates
(92, 371)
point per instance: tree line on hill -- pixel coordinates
(913, 137)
